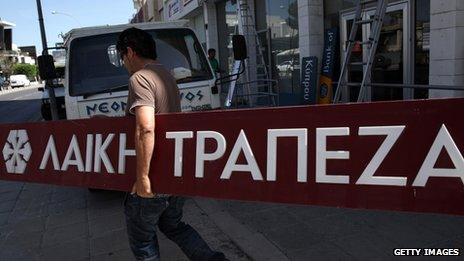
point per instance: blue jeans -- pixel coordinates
(144, 214)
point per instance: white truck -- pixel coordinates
(95, 80)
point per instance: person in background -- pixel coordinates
(213, 61)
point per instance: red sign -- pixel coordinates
(396, 155)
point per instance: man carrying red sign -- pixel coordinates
(153, 90)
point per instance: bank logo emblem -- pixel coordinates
(17, 151)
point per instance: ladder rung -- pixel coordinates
(370, 41)
(358, 63)
(263, 85)
(368, 2)
(265, 94)
(367, 21)
(353, 84)
(366, 42)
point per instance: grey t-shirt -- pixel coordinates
(153, 86)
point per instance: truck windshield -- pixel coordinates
(93, 70)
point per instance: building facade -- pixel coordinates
(146, 11)
(11, 53)
(6, 35)
(420, 41)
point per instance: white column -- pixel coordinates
(446, 46)
(311, 28)
(212, 41)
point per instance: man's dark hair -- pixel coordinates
(212, 50)
(139, 41)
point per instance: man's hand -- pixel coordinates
(142, 187)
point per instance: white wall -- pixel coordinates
(311, 28)
(446, 46)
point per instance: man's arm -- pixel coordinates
(144, 145)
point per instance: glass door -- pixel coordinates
(391, 54)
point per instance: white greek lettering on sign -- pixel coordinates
(95, 154)
(445, 141)
(367, 177)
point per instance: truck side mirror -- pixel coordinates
(240, 48)
(46, 67)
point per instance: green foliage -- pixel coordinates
(6, 66)
(27, 69)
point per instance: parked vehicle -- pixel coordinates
(19, 80)
(285, 66)
(96, 82)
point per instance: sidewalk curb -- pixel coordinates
(13, 90)
(254, 244)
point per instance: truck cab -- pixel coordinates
(96, 82)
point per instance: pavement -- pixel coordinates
(45, 222)
(323, 233)
(9, 89)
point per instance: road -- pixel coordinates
(20, 106)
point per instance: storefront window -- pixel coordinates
(422, 46)
(390, 65)
(332, 10)
(277, 29)
(282, 21)
(389, 61)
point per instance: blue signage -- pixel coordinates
(328, 58)
(309, 80)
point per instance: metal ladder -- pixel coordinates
(262, 72)
(376, 23)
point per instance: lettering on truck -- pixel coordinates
(105, 107)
